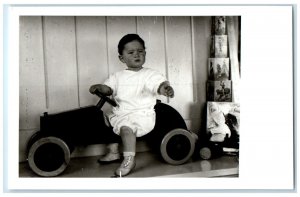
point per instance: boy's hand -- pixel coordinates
(93, 88)
(104, 89)
(166, 90)
(169, 91)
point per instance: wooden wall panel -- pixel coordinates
(233, 55)
(202, 42)
(91, 55)
(61, 65)
(117, 27)
(32, 78)
(151, 29)
(179, 59)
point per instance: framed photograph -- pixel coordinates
(219, 25)
(219, 91)
(218, 69)
(219, 46)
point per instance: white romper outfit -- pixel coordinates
(135, 93)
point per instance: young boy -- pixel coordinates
(134, 90)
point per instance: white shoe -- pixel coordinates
(109, 158)
(126, 166)
(112, 154)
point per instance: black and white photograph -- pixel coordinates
(220, 91)
(220, 46)
(219, 24)
(148, 98)
(218, 69)
(115, 96)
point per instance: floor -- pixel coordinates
(148, 165)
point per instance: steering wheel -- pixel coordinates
(104, 99)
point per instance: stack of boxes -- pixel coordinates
(222, 114)
(219, 83)
(222, 121)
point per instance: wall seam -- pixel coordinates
(107, 52)
(45, 63)
(166, 52)
(136, 24)
(76, 61)
(195, 89)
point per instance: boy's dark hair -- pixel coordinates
(128, 38)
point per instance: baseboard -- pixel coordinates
(230, 172)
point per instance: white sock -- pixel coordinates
(126, 154)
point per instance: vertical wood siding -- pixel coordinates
(91, 55)
(117, 27)
(179, 68)
(151, 29)
(61, 63)
(32, 77)
(202, 42)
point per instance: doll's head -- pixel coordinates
(213, 107)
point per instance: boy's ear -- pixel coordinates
(121, 58)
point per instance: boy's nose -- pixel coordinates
(136, 54)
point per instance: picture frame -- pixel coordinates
(219, 25)
(256, 177)
(218, 69)
(219, 91)
(219, 46)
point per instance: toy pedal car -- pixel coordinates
(49, 150)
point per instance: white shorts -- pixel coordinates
(141, 122)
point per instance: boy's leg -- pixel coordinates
(128, 139)
(129, 149)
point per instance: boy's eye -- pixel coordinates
(138, 51)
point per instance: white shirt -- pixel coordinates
(133, 90)
(135, 93)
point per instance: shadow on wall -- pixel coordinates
(198, 118)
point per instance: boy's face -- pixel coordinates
(133, 55)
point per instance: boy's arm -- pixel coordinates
(104, 89)
(165, 89)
